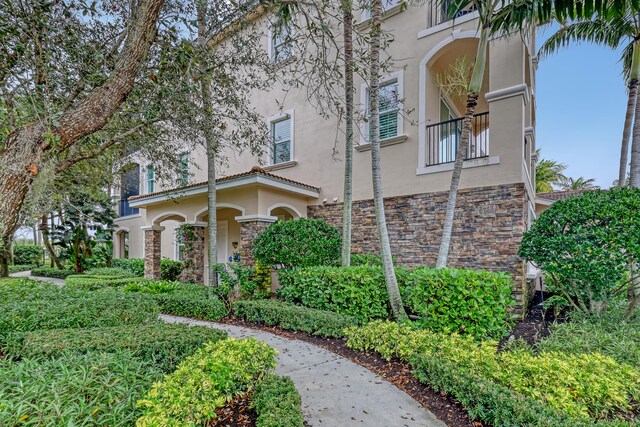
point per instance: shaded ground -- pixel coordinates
(237, 413)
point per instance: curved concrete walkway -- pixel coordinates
(335, 391)
(27, 275)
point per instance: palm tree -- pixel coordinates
(374, 110)
(580, 183)
(485, 10)
(549, 174)
(612, 31)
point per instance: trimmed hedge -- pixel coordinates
(297, 318)
(163, 344)
(354, 291)
(93, 283)
(22, 267)
(74, 389)
(583, 387)
(169, 269)
(277, 403)
(134, 265)
(473, 302)
(27, 254)
(108, 271)
(205, 381)
(27, 305)
(51, 272)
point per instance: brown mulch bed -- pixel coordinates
(397, 372)
(238, 413)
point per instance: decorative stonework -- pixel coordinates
(152, 252)
(249, 230)
(194, 254)
(488, 227)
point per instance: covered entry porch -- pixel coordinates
(246, 204)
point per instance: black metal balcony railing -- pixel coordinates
(124, 209)
(443, 139)
(438, 12)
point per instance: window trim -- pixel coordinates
(147, 180)
(289, 114)
(271, 43)
(398, 77)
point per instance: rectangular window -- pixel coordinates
(281, 42)
(281, 140)
(389, 109)
(151, 179)
(183, 170)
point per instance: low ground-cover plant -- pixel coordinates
(302, 242)
(93, 283)
(169, 269)
(609, 333)
(579, 386)
(354, 291)
(108, 271)
(587, 245)
(74, 389)
(51, 272)
(205, 381)
(27, 306)
(17, 268)
(163, 344)
(277, 403)
(297, 318)
(133, 265)
(473, 302)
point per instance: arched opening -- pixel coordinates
(284, 212)
(122, 244)
(227, 232)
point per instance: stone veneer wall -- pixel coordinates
(487, 230)
(248, 232)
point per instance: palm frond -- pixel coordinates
(611, 34)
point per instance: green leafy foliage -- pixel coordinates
(205, 381)
(170, 269)
(27, 306)
(74, 389)
(17, 268)
(581, 386)
(153, 287)
(302, 242)
(51, 272)
(473, 302)
(297, 318)
(586, 246)
(610, 333)
(354, 291)
(134, 265)
(163, 344)
(277, 403)
(366, 259)
(93, 283)
(27, 254)
(108, 271)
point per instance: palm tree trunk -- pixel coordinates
(634, 170)
(212, 149)
(391, 281)
(347, 19)
(626, 134)
(475, 86)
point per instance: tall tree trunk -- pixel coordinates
(634, 170)
(44, 229)
(626, 134)
(22, 155)
(391, 281)
(475, 86)
(212, 150)
(347, 19)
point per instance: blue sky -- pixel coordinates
(581, 102)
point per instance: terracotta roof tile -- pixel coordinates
(254, 171)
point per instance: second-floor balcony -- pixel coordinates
(438, 13)
(443, 139)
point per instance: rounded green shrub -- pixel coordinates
(587, 245)
(302, 242)
(27, 254)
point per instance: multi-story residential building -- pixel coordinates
(300, 176)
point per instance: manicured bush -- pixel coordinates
(205, 381)
(195, 305)
(27, 306)
(365, 259)
(22, 267)
(277, 403)
(163, 344)
(297, 318)
(298, 243)
(133, 265)
(108, 271)
(354, 291)
(27, 254)
(609, 333)
(75, 389)
(93, 283)
(473, 302)
(579, 386)
(153, 287)
(586, 246)
(170, 269)
(51, 272)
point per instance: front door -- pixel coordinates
(223, 243)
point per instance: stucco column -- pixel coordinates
(194, 254)
(152, 251)
(250, 227)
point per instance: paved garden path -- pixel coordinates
(27, 274)
(334, 390)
